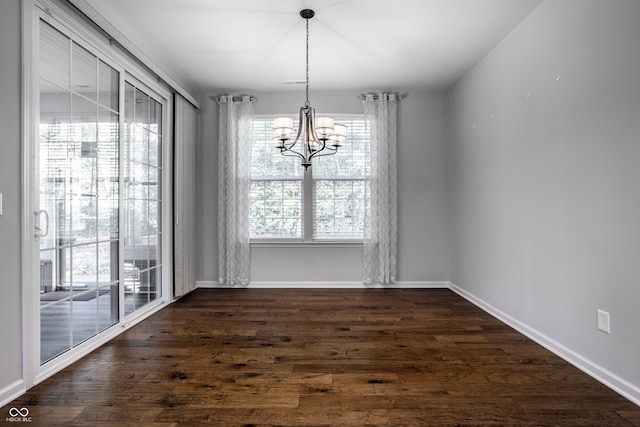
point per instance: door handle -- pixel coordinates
(39, 232)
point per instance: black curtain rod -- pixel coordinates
(235, 98)
(363, 96)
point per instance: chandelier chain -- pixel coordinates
(307, 70)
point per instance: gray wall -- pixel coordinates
(544, 153)
(10, 179)
(422, 233)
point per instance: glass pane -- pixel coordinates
(139, 190)
(154, 216)
(55, 330)
(266, 160)
(108, 85)
(126, 149)
(155, 250)
(155, 116)
(153, 190)
(108, 136)
(84, 218)
(323, 190)
(324, 217)
(140, 217)
(131, 281)
(129, 103)
(128, 212)
(55, 113)
(350, 159)
(142, 297)
(142, 109)
(64, 275)
(140, 173)
(155, 284)
(107, 262)
(85, 272)
(154, 183)
(154, 149)
(84, 75)
(139, 147)
(107, 306)
(108, 179)
(140, 255)
(84, 316)
(339, 209)
(53, 162)
(48, 264)
(84, 128)
(276, 209)
(55, 59)
(108, 217)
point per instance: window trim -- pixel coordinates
(307, 239)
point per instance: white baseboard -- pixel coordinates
(326, 285)
(606, 377)
(12, 392)
(207, 284)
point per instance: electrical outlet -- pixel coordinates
(603, 321)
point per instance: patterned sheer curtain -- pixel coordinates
(234, 178)
(381, 217)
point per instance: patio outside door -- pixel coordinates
(99, 177)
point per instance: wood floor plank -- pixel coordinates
(314, 357)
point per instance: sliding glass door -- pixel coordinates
(142, 233)
(79, 194)
(99, 175)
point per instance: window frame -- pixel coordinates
(308, 204)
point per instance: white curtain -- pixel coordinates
(234, 162)
(185, 197)
(381, 217)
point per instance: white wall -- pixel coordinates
(544, 155)
(422, 229)
(10, 179)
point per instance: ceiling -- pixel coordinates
(360, 45)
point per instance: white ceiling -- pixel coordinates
(360, 45)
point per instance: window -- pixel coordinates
(275, 197)
(326, 203)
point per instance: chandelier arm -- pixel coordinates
(313, 136)
(291, 153)
(291, 145)
(327, 151)
(299, 126)
(319, 150)
(331, 150)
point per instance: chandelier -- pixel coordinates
(316, 137)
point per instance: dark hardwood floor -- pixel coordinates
(292, 357)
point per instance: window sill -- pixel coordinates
(264, 243)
